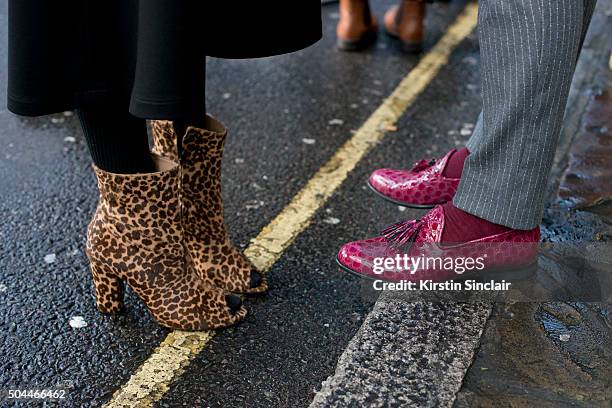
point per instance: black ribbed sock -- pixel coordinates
(117, 141)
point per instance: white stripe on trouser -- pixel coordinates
(528, 54)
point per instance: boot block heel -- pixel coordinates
(109, 290)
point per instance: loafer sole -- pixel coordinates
(401, 203)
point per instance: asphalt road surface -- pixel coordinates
(287, 116)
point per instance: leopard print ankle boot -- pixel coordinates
(136, 237)
(214, 256)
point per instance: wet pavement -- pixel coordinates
(287, 115)
(529, 358)
(587, 181)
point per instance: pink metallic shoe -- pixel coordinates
(411, 251)
(423, 186)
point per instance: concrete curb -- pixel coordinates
(423, 347)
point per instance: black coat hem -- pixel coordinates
(39, 108)
(166, 110)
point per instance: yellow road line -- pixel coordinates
(152, 380)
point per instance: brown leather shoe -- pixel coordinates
(405, 22)
(357, 26)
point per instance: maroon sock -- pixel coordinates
(460, 226)
(454, 166)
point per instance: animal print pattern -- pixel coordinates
(136, 237)
(164, 140)
(214, 256)
(423, 186)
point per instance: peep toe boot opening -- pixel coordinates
(215, 258)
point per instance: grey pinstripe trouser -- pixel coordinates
(529, 50)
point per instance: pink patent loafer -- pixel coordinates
(423, 186)
(411, 250)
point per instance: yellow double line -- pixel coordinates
(153, 378)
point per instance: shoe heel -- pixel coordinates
(109, 290)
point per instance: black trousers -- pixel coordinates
(147, 56)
